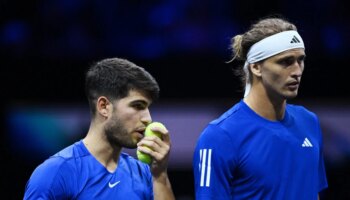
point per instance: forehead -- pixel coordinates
(136, 95)
(292, 52)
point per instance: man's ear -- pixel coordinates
(255, 68)
(103, 106)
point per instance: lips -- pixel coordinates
(141, 131)
(293, 85)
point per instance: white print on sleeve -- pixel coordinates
(205, 166)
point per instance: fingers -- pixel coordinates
(154, 146)
(164, 132)
(158, 149)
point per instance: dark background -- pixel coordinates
(46, 46)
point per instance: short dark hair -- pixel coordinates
(114, 78)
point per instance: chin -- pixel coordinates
(291, 96)
(130, 146)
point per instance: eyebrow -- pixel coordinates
(291, 56)
(141, 101)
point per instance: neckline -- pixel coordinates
(85, 149)
(251, 112)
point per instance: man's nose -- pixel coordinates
(146, 116)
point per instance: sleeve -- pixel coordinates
(322, 178)
(48, 181)
(141, 174)
(214, 161)
(149, 181)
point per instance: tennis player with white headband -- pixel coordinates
(263, 147)
(271, 46)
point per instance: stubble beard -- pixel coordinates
(117, 135)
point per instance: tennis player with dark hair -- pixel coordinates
(263, 147)
(119, 95)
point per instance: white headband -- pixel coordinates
(271, 46)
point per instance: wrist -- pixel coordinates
(160, 177)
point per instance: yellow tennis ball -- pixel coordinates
(148, 132)
(145, 158)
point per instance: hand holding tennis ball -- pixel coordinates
(148, 132)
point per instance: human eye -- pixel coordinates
(139, 105)
(286, 61)
(301, 59)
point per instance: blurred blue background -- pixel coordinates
(46, 46)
